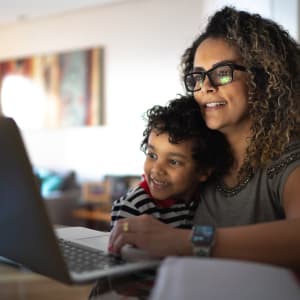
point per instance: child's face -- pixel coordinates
(170, 169)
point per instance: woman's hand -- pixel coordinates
(149, 234)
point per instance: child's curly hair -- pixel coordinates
(272, 59)
(181, 119)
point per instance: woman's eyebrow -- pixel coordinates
(198, 69)
(223, 62)
(219, 63)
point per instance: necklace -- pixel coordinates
(230, 192)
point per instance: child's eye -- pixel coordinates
(175, 162)
(151, 155)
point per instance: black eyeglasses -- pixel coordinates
(219, 75)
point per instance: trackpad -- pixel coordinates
(131, 253)
(97, 242)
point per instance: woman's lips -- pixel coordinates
(215, 104)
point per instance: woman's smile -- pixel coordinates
(215, 104)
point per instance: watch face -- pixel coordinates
(203, 235)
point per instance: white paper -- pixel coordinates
(212, 279)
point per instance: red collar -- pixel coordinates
(160, 203)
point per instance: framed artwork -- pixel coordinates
(55, 90)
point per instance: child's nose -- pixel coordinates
(158, 168)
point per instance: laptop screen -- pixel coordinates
(26, 233)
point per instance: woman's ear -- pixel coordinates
(203, 175)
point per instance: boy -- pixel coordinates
(181, 154)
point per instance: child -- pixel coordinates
(181, 154)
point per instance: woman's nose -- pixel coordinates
(207, 86)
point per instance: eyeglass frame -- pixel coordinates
(232, 67)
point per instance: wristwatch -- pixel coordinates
(203, 239)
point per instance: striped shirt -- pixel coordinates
(137, 202)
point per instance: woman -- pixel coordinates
(244, 72)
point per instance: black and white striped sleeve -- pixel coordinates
(131, 204)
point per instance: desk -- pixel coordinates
(17, 284)
(254, 281)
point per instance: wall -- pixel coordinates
(143, 41)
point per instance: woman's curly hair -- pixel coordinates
(181, 119)
(272, 59)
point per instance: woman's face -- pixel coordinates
(224, 108)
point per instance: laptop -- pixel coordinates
(28, 237)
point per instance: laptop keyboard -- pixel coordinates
(80, 258)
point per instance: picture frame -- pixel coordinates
(57, 90)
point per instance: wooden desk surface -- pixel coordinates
(16, 284)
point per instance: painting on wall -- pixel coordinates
(56, 90)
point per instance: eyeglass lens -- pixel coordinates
(217, 76)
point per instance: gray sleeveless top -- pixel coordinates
(258, 199)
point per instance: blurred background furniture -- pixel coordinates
(88, 203)
(97, 197)
(61, 192)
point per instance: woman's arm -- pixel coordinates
(275, 242)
